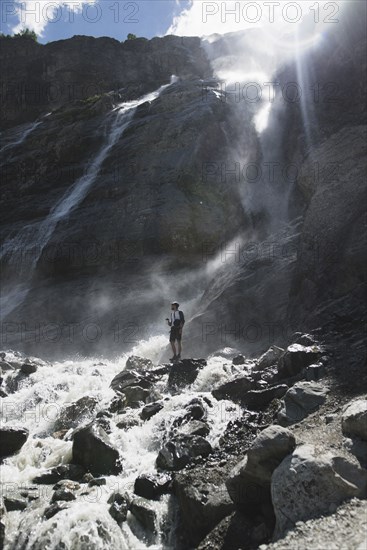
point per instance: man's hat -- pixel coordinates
(175, 304)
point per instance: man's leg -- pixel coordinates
(173, 347)
(179, 347)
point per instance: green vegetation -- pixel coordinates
(25, 33)
(131, 36)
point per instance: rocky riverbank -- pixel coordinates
(239, 452)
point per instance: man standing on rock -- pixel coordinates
(176, 323)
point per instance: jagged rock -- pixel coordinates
(63, 494)
(202, 499)
(152, 486)
(93, 450)
(72, 472)
(308, 484)
(269, 358)
(195, 427)
(28, 368)
(301, 400)
(55, 508)
(184, 372)
(298, 357)
(177, 453)
(144, 513)
(126, 379)
(354, 419)
(97, 482)
(117, 404)
(238, 360)
(134, 395)
(138, 363)
(74, 414)
(195, 410)
(150, 410)
(14, 503)
(315, 372)
(304, 339)
(12, 440)
(119, 507)
(249, 482)
(258, 399)
(234, 389)
(127, 421)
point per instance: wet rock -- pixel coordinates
(135, 394)
(301, 400)
(127, 421)
(178, 452)
(119, 507)
(5, 366)
(195, 427)
(259, 399)
(308, 484)
(269, 358)
(203, 501)
(12, 440)
(138, 363)
(72, 472)
(97, 482)
(354, 419)
(77, 413)
(104, 423)
(93, 450)
(150, 410)
(315, 372)
(144, 513)
(234, 389)
(152, 486)
(54, 509)
(126, 379)
(3, 393)
(238, 360)
(28, 368)
(63, 494)
(14, 503)
(298, 357)
(249, 482)
(184, 372)
(117, 404)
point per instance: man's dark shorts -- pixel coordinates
(175, 334)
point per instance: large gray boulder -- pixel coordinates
(354, 419)
(178, 452)
(300, 401)
(134, 362)
(249, 482)
(308, 484)
(235, 389)
(77, 413)
(269, 358)
(93, 450)
(184, 372)
(297, 357)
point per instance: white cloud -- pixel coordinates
(37, 14)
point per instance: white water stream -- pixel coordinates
(36, 406)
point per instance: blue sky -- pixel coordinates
(55, 20)
(60, 19)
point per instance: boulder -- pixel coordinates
(354, 419)
(127, 421)
(144, 513)
(93, 450)
(119, 507)
(12, 440)
(152, 486)
(73, 472)
(135, 362)
(297, 357)
(315, 372)
(249, 482)
(234, 389)
(259, 399)
(77, 413)
(126, 379)
(301, 400)
(238, 360)
(28, 368)
(117, 404)
(14, 503)
(55, 508)
(203, 501)
(269, 358)
(63, 493)
(195, 427)
(134, 395)
(184, 372)
(150, 410)
(308, 484)
(178, 452)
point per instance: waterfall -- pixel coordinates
(23, 134)
(37, 404)
(29, 243)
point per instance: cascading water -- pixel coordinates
(86, 523)
(32, 239)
